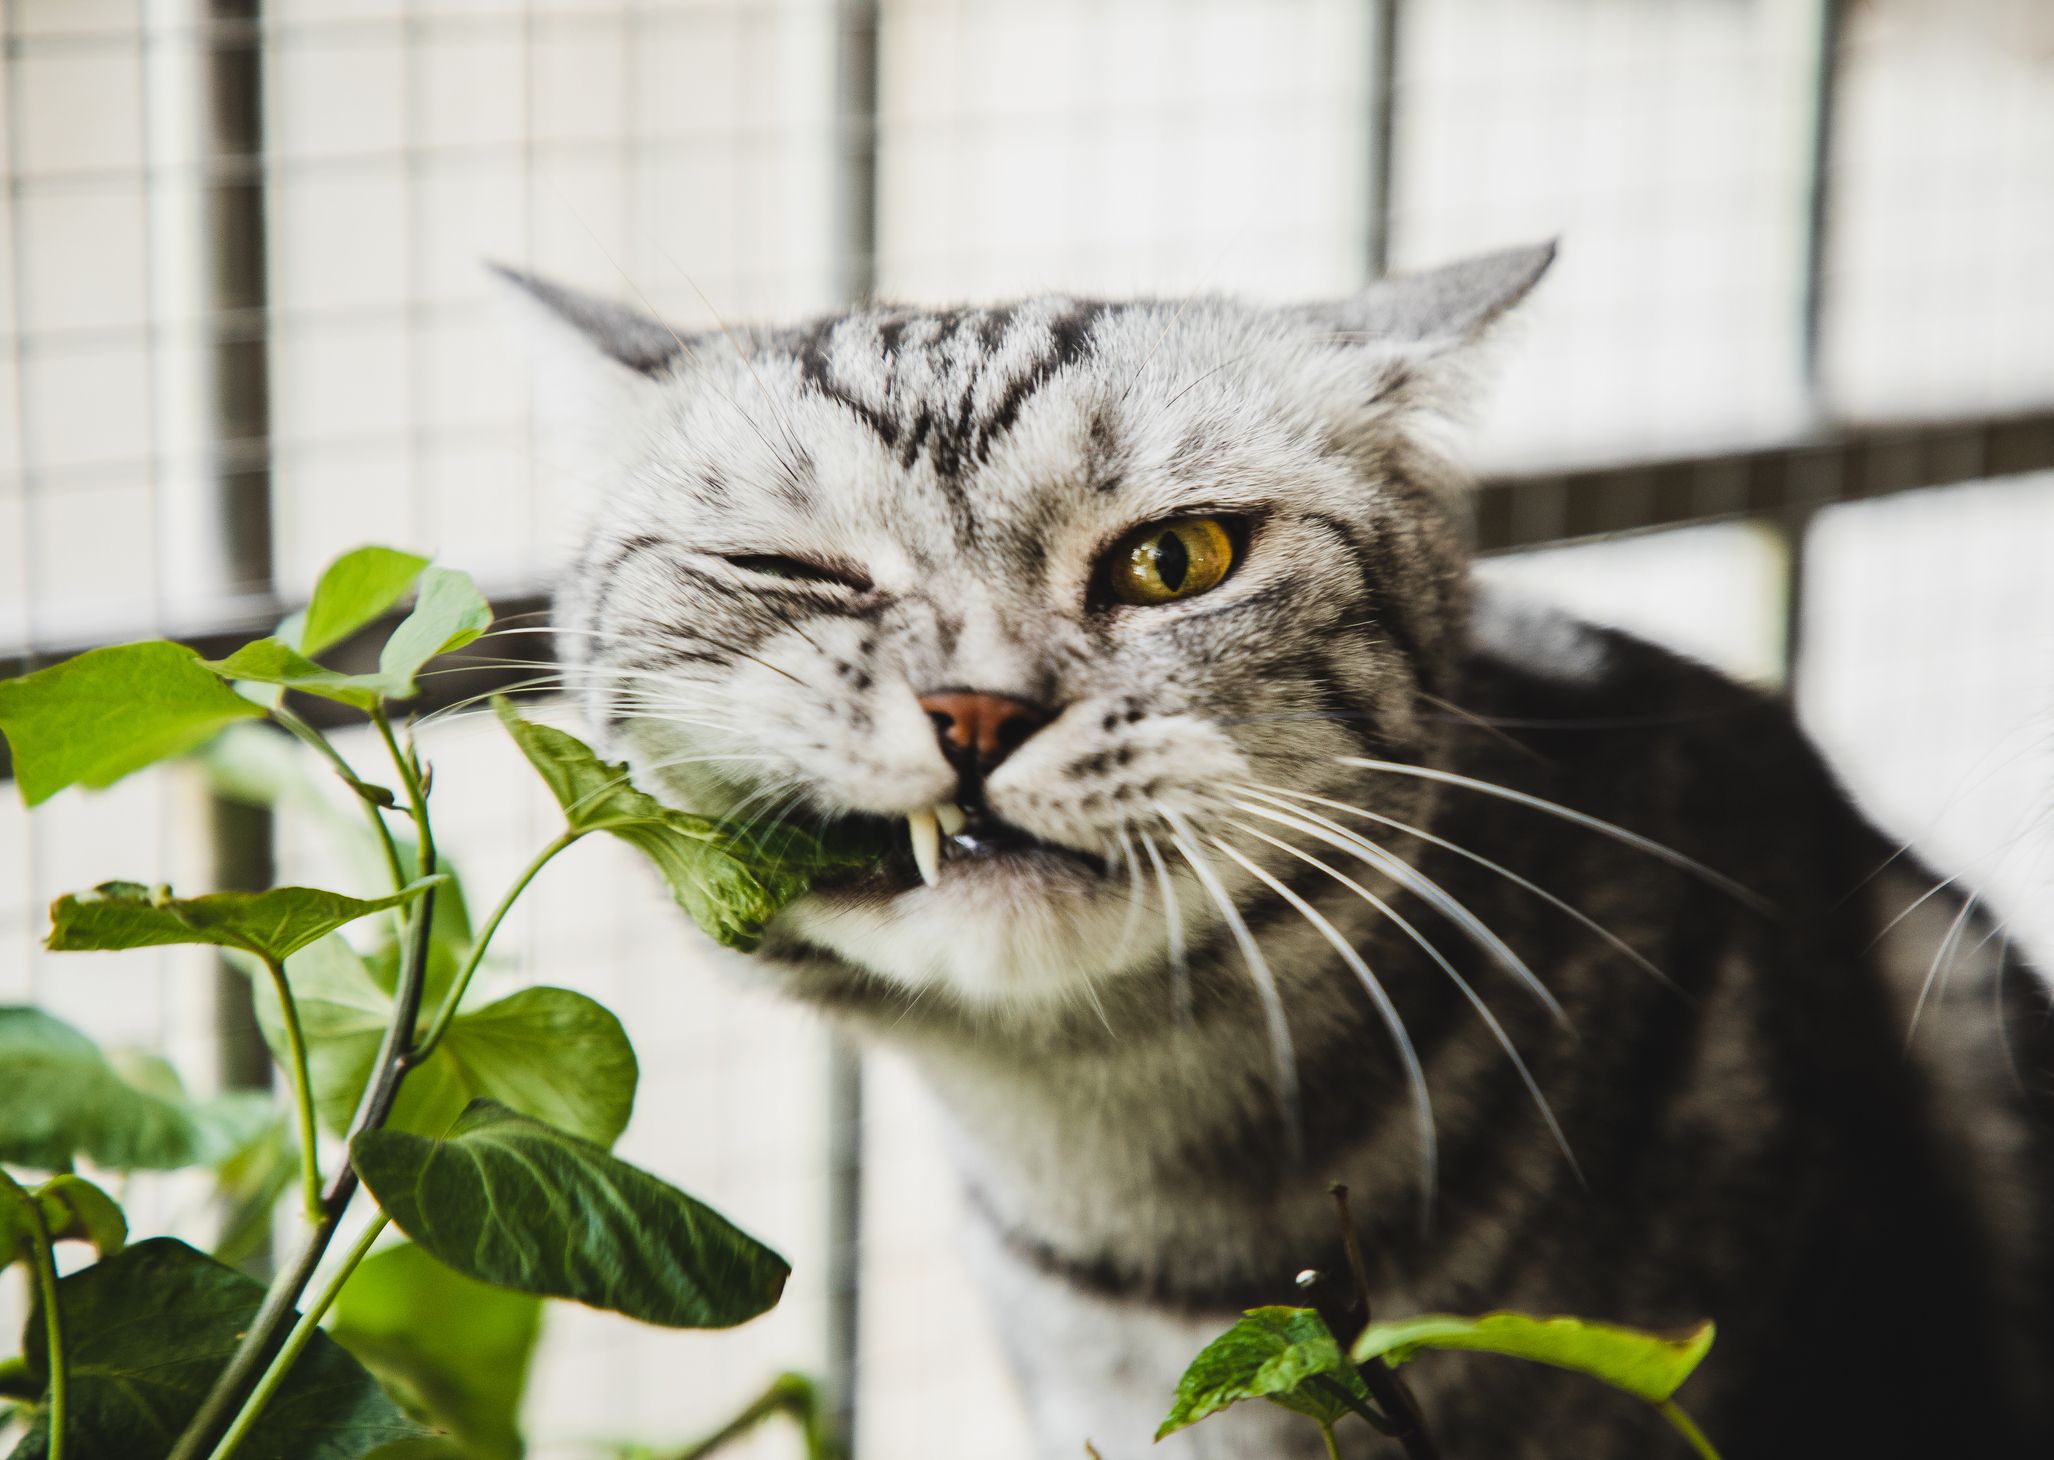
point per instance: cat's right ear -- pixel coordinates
(593, 356)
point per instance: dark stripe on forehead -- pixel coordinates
(1069, 343)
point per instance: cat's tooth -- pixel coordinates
(951, 817)
(926, 830)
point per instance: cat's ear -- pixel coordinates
(1446, 307)
(629, 338)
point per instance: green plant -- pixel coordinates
(482, 1132)
(1290, 1357)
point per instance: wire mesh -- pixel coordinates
(1803, 262)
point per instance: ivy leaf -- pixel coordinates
(354, 590)
(1285, 1355)
(94, 719)
(76, 1210)
(1650, 1366)
(521, 1205)
(450, 614)
(546, 1052)
(730, 879)
(145, 1334)
(60, 1100)
(273, 924)
(454, 1351)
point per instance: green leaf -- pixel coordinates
(248, 1185)
(518, 1204)
(145, 1334)
(1284, 1355)
(354, 590)
(450, 614)
(730, 879)
(545, 1052)
(453, 1350)
(60, 1100)
(1650, 1366)
(76, 1210)
(94, 719)
(273, 924)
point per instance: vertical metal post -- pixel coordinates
(234, 310)
(1818, 182)
(1796, 524)
(855, 280)
(237, 283)
(1384, 17)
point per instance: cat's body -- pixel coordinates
(1156, 981)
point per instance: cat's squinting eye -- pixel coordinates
(776, 565)
(1166, 561)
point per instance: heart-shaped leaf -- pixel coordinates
(94, 719)
(273, 924)
(731, 880)
(354, 590)
(546, 1052)
(450, 614)
(1285, 1355)
(60, 1100)
(1650, 1366)
(147, 1331)
(521, 1205)
(453, 1350)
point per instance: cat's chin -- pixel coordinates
(1013, 926)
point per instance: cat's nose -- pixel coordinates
(977, 731)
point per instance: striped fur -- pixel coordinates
(1144, 1116)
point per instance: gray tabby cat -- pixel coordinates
(1233, 841)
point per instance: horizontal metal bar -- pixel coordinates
(1844, 465)
(1511, 512)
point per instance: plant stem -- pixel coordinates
(1408, 1425)
(45, 1263)
(1687, 1427)
(328, 752)
(425, 1046)
(792, 1394)
(302, 1090)
(266, 1329)
(302, 1334)
(1326, 1432)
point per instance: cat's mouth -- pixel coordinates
(948, 842)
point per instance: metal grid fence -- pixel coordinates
(1804, 271)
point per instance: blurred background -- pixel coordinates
(1787, 403)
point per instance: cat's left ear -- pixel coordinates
(1447, 307)
(596, 361)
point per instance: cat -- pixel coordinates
(1234, 839)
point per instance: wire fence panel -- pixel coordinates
(1796, 350)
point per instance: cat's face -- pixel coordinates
(1030, 595)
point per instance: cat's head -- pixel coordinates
(1032, 595)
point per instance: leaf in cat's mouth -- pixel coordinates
(924, 846)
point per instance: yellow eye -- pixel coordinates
(1166, 561)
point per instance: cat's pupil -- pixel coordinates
(1172, 560)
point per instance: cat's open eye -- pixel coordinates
(1165, 561)
(776, 565)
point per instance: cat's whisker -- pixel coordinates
(1618, 944)
(1414, 881)
(1476, 1002)
(1282, 1054)
(1173, 935)
(1132, 921)
(1580, 818)
(1942, 963)
(1415, 1075)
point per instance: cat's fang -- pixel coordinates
(951, 817)
(926, 831)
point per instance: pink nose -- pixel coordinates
(977, 731)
